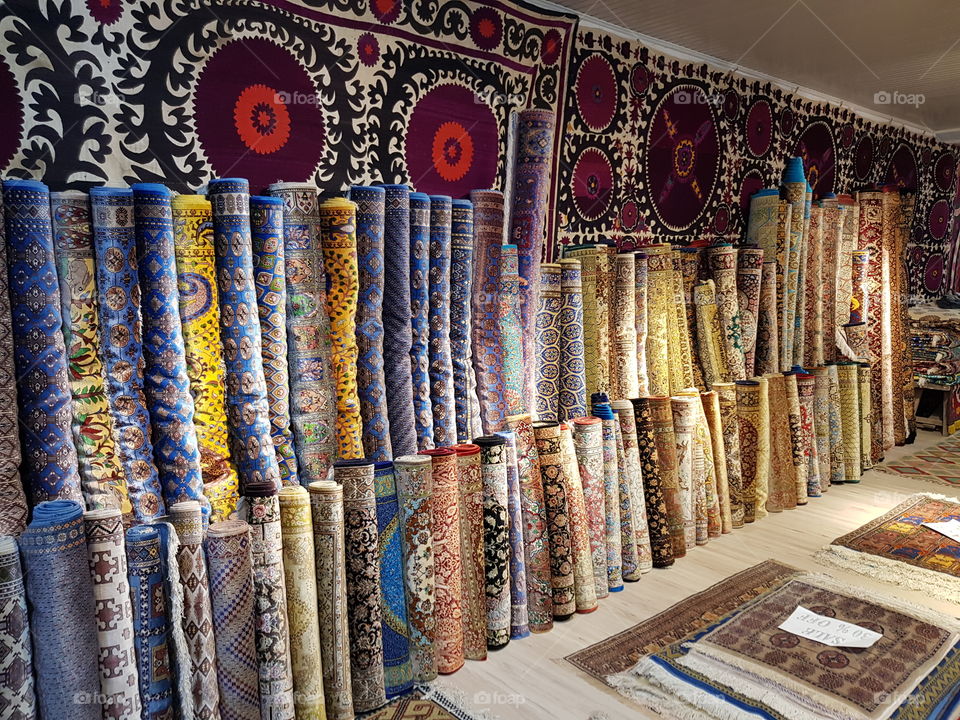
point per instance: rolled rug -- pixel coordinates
(363, 582)
(442, 397)
(871, 239)
(659, 306)
(767, 355)
(749, 273)
(101, 475)
(496, 540)
(337, 218)
(762, 481)
(461, 320)
(711, 407)
(708, 495)
(519, 618)
(447, 555)
(535, 539)
(327, 513)
(709, 334)
(397, 669)
(629, 557)
(152, 636)
(748, 415)
(595, 271)
(547, 343)
(17, 688)
(850, 420)
(470, 486)
(111, 591)
(855, 335)
(420, 317)
(796, 437)
(813, 290)
(585, 592)
(837, 452)
(313, 411)
(49, 459)
(661, 545)
(371, 378)
(231, 598)
(850, 225)
(794, 190)
(486, 347)
(689, 267)
(248, 410)
(623, 309)
(665, 440)
(270, 600)
(806, 390)
(300, 583)
(681, 355)
(572, 401)
(200, 323)
(611, 491)
(803, 287)
(266, 227)
(397, 328)
(509, 318)
(821, 419)
(891, 415)
(865, 399)
(640, 293)
(722, 261)
(831, 229)
(784, 224)
(414, 479)
(588, 444)
(13, 500)
(684, 421)
(547, 437)
(730, 425)
(197, 619)
(783, 485)
(859, 298)
(631, 453)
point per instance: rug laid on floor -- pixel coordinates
(427, 702)
(897, 548)
(743, 666)
(621, 652)
(938, 463)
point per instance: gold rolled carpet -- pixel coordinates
(749, 272)
(661, 417)
(604, 316)
(585, 593)
(470, 484)
(681, 357)
(684, 424)
(594, 267)
(821, 420)
(761, 483)
(806, 388)
(838, 468)
(865, 395)
(768, 227)
(711, 407)
(870, 240)
(831, 229)
(689, 260)
(625, 381)
(850, 420)
(659, 301)
(640, 293)
(730, 426)
(631, 450)
(547, 438)
(722, 260)
(748, 416)
(855, 335)
(709, 334)
(796, 438)
(767, 356)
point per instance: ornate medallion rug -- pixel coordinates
(742, 666)
(428, 702)
(620, 652)
(938, 463)
(897, 548)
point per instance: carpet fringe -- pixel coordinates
(454, 700)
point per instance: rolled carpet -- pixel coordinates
(640, 293)
(796, 437)
(806, 390)
(611, 491)
(364, 612)
(585, 592)
(659, 301)
(782, 486)
(414, 480)
(594, 269)
(442, 397)
(547, 437)
(461, 320)
(689, 272)
(681, 355)
(300, 583)
(470, 485)
(661, 417)
(684, 422)
(420, 318)
(767, 355)
(508, 313)
(17, 686)
(547, 343)
(730, 424)
(748, 415)
(572, 402)
(837, 453)
(709, 334)
(496, 540)
(762, 481)
(865, 398)
(711, 408)
(850, 420)
(661, 545)
(588, 444)
(519, 618)
(821, 419)
(749, 272)
(629, 557)
(327, 513)
(722, 260)
(631, 453)
(623, 309)
(231, 598)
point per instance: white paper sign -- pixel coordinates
(827, 630)
(950, 528)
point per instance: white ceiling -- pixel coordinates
(850, 49)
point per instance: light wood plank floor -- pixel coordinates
(529, 680)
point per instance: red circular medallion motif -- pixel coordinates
(262, 121)
(452, 151)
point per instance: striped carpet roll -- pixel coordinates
(519, 618)
(101, 474)
(659, 302)
(486, 348)
(397, 329)
(230, 565)
(510, 335)
(248, 411)
(749, 271)
(629, 556)
(665, 440)
(496, 540)
(113, 235)
(796, 437)
(338, 237)
(585, 592)
(152, 637)
(313, 412)
(197, 620)
(631, 453)
(661, 545)
(371, 379)
(782, 488)
(547, 352)
(167, 387)
(588, 444)
(748, 417)
(767, 355)
(572, 400)
(600, 406)
(420, 317)
(327, 513)
(111, 591)
(49, 467)
(447, 556)
(363, 582)
(398, 672)
(414, 480)
(640, 295)
(806, 390)
(547, 438)
(269, 276)
(535, 538)
(461, 321)
(730, 426)
(300, 583)
(711, 408)
(200, 323)
(61, 605)
(441, 361)
(16, 666)
(13, 500)
(470, 484)
(684, 421)
(623, 309)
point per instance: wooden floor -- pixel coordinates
(529, 678)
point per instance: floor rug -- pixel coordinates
(938, 463)
(621, 652)
(428, 702)
(896, 548)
